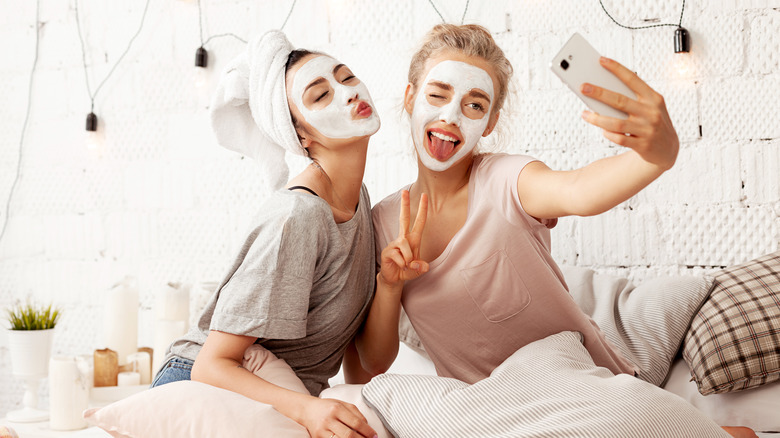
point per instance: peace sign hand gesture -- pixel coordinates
(400, 260)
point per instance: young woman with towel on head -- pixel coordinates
(303, 280)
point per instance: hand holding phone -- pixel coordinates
(618, 92)
(578, 62)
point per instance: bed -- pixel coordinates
(667, 326)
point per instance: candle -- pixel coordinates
(149, 350)
(173, 303)
(128, 378)
(106, 367)
(68, 393)
(142, 364)
(121, 319)
(165, 332)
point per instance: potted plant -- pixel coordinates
(30, 338)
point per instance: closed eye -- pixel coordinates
(321, 96)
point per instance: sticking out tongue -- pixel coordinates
(441, 149)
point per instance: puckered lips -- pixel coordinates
(442, 143)
(363, 110)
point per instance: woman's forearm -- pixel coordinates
(588, 191)
(229, 374)
(377, 342)
(607, 182)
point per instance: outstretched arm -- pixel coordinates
(377, 342)
(647, 133)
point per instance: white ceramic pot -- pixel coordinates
(30, 351)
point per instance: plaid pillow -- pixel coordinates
(734, 341)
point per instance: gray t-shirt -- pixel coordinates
(302, 284)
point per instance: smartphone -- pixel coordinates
(578, 62)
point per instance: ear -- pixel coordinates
(306, 142)
(491, 124)
(409, 99)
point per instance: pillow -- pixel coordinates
(646, 323)
(189, 408)
(550, 387)
(734, 340)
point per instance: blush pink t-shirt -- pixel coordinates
(495, 287)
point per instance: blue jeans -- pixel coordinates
(177, 368)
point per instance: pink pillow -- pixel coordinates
(187, 408)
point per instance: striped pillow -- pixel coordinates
(549, 388)
(734, 341)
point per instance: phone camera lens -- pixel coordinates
(564, 64)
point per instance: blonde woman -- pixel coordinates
(474, 271)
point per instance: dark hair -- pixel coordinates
(294, 58)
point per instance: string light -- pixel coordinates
(682, 42)
(202, 55)
(93, 138)
(201, 62)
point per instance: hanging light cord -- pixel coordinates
(644, 27)
(463, 17)
(437, 11)
(24, 124)
(288, 15)
(92, 95)
(221, 35)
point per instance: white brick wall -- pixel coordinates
(166, 204)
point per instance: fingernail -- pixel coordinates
(415, 266)
(604, 60)
(587, 88)
(585, 114)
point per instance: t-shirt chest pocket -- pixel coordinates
(496, 288)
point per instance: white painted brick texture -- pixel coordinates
(165, 203)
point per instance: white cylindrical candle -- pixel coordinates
(121, 319)
(142, 364)
(165, 332)
(173, 303)
(68, 394)
(128, 378)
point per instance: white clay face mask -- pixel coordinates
(463, 78)
(334, 120)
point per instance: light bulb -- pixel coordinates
(92, 141)
(201, 75)
(201, 62)
(682, 64)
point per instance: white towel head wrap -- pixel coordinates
(249, 111)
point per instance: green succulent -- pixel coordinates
(31, 317)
